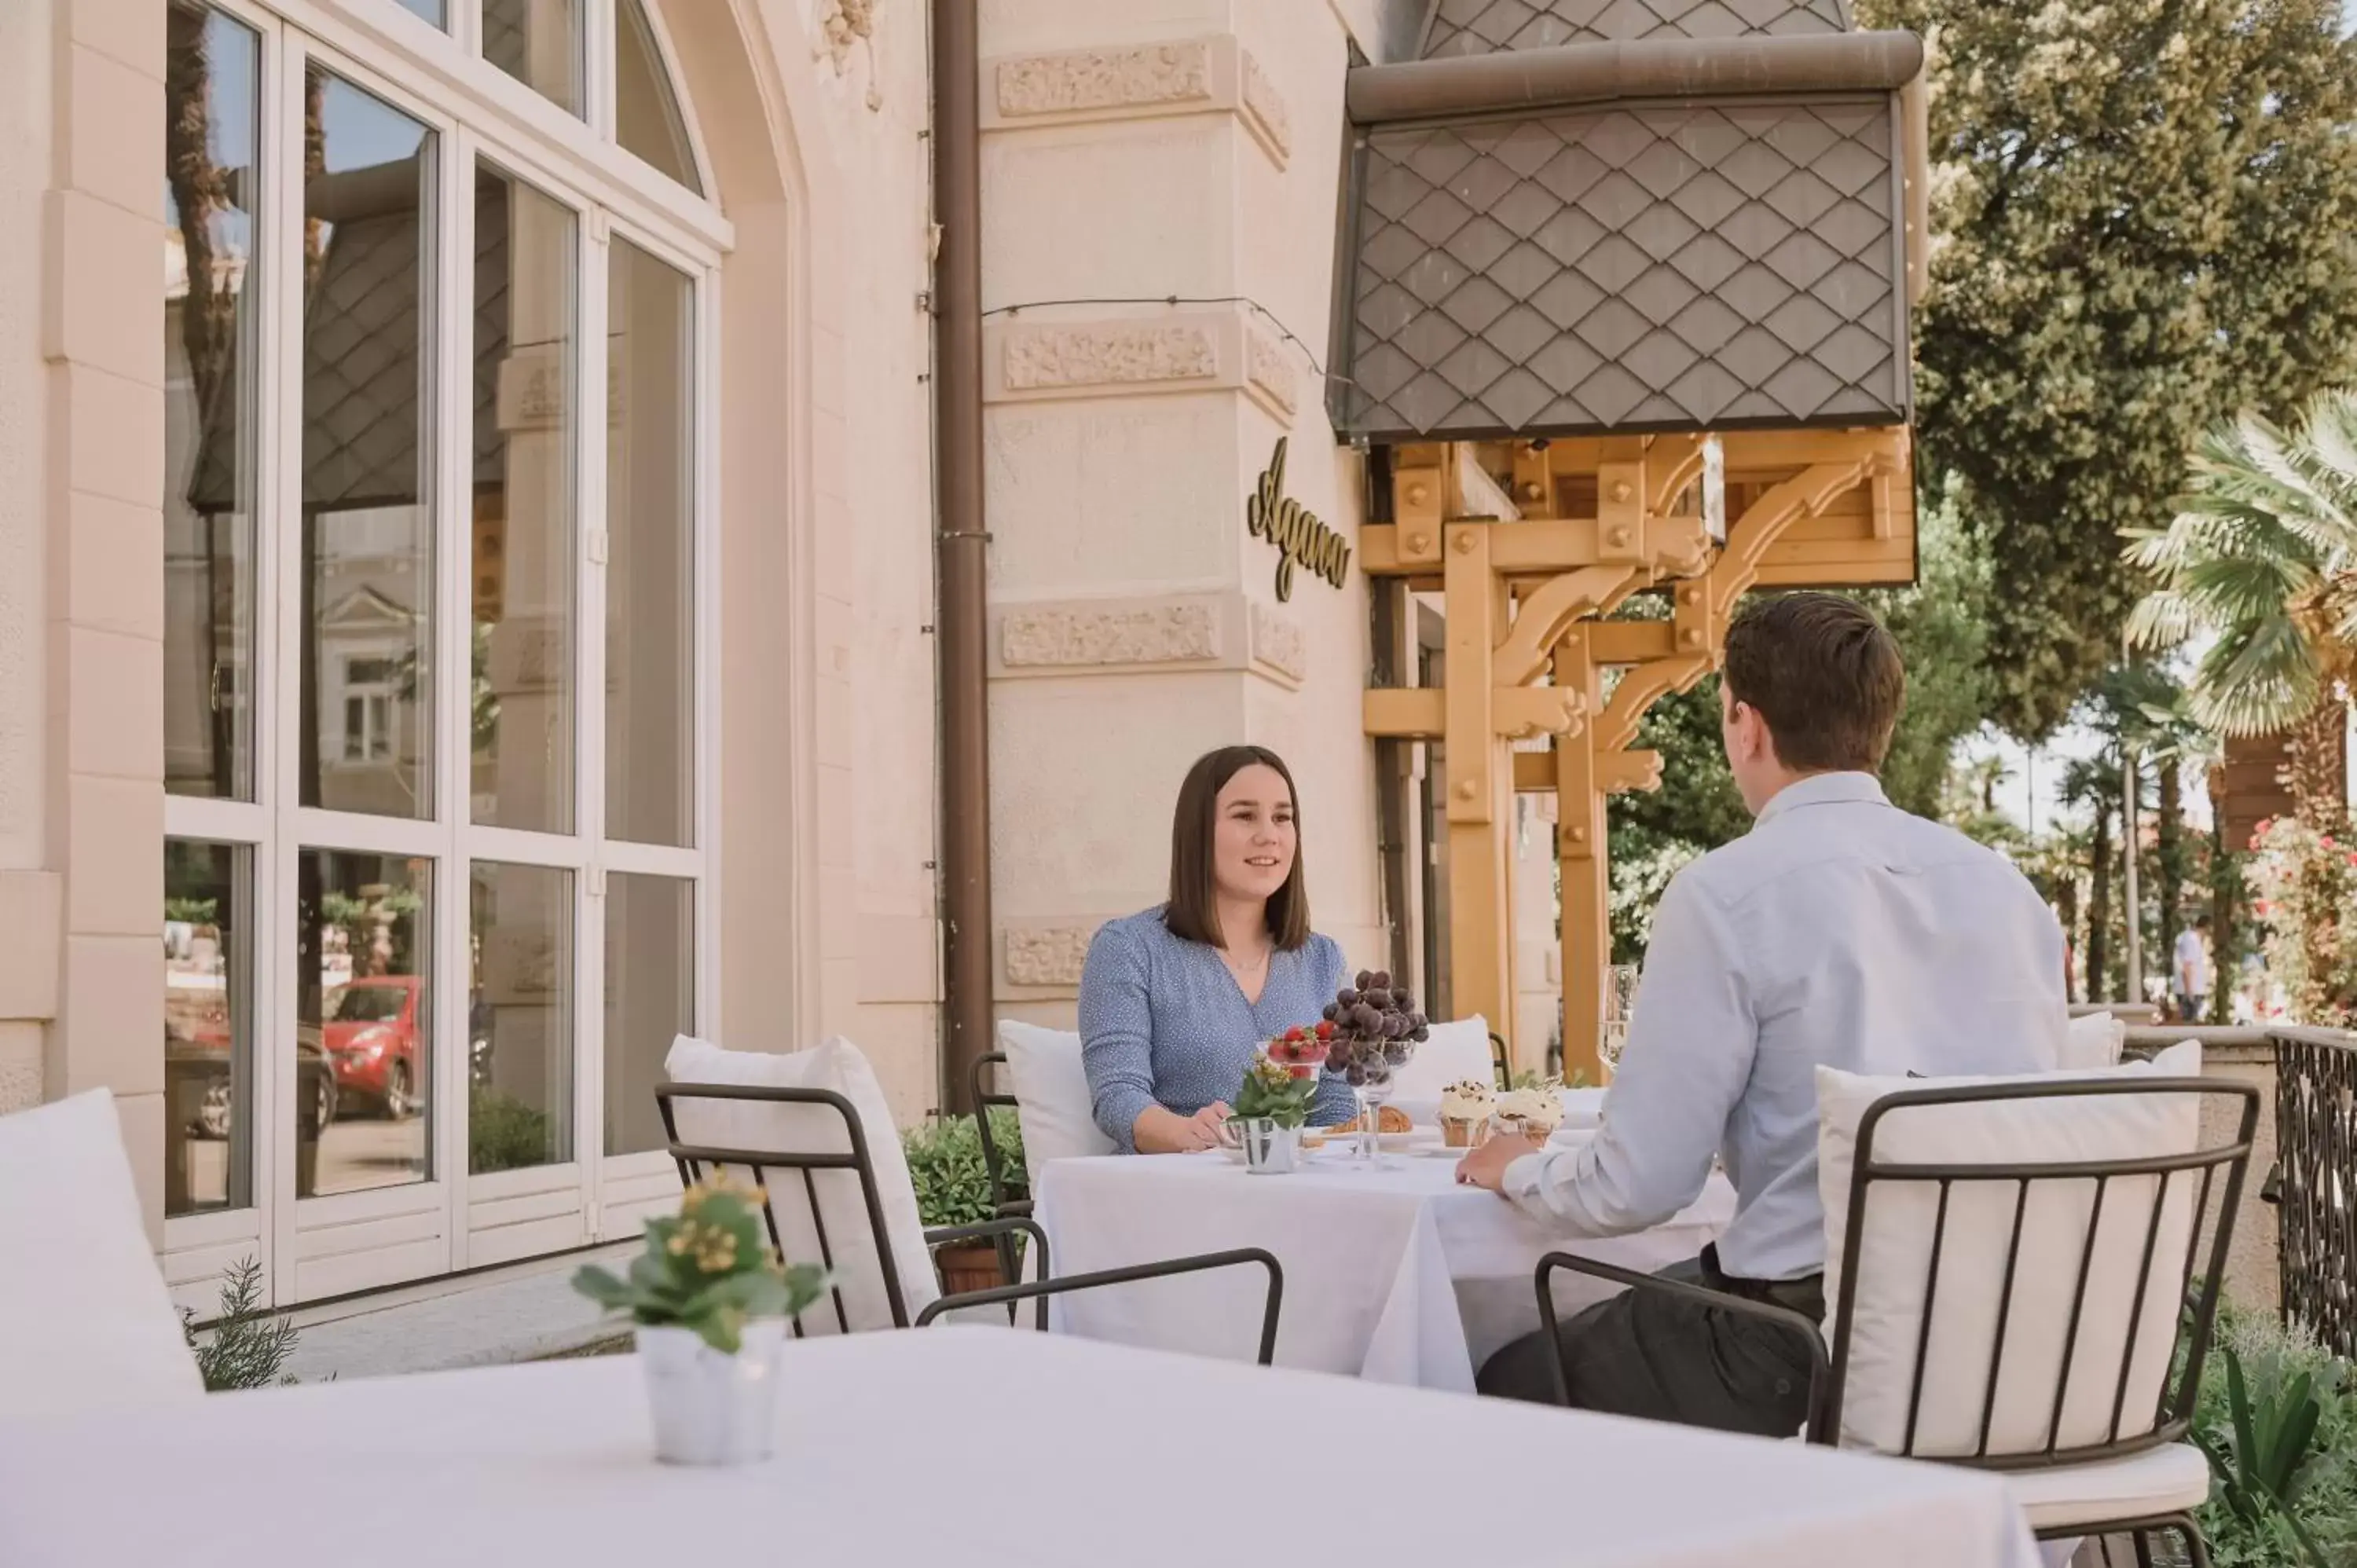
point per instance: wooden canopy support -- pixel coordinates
(1534, 546)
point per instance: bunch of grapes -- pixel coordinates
(1376, 1028)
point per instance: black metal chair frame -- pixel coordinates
(1829, 1369)
(1007, 1200)
(692, 1158)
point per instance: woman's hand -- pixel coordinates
(1158, 1131)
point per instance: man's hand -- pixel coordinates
(1486, 1166)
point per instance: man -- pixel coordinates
(2190, 971)
(1839, 932)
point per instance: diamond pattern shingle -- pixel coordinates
(1581, 270)
(1487, 26)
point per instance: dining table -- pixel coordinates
(1398, 1274)
(971, 1446)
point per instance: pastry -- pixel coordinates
(1388, 1118)
(1465, 1110)
(1532, 1113)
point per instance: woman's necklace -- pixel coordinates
(1246, 973)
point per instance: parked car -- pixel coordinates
(371, 1037)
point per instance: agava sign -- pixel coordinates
(1300, 538)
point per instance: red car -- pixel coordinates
(371, 1037)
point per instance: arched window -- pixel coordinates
(436, 511)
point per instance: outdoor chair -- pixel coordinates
(1009, 1199)
(859, 1203)
(2025, 1273)
(86, 1323)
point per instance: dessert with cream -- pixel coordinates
(1465, 1110)
(1535, 1113)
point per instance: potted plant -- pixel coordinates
(1273, 1102)
(953, 1183)
(710, 1299)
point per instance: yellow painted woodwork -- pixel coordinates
(1530, 547)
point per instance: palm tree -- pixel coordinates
(2263, 555)
(2095, 782)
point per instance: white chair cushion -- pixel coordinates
(2093, 1043)
(2171, 1478)
(1902, 1219)
(835, 1063)
(1455, 1052)
(85, 1321)
(1051, 1095)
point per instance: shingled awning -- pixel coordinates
(1638, 229)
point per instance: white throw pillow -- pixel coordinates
(1902, 1219)
(85, 1321)
(2093, 1042)
(757, 1127)
(1051, 1095)
(1455, 1051)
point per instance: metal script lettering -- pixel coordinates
(1296, 532)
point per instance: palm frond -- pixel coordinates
(2257, 680)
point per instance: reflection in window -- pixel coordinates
(525, 396)
(519, 1019)
(207, 1029)
(538, 42)
(363, 1021)
(368, 517)
(647, 119)
(211, 70)
(435, 12)
(650, 584)
(650, 998)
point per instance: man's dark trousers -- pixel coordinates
(1667, 1357)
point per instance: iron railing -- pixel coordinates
(2315, 1182)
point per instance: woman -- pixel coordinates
(1175, 1001)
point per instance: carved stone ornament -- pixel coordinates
(1277, 642)
(845, 26)
(1048, 956)
(1102, 79)
(1155, 634)
(1267, 367)
(1051, 357)
(1262, 103)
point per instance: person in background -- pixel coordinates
(1176, 999)
(2190, 970)
(1840, 931)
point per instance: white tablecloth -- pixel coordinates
(969, 1446)
(1402, 1277)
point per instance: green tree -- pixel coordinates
(2092, 785)
(2141, 215)
(2261, 557)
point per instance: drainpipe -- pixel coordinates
(961, 542)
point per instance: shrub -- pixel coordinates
(247, 1349)
(945, 1163)
(2273, 1363)
(2307, 886)
(503, 1134)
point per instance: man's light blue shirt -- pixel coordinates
(1839, 932)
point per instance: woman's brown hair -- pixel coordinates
(1193, 910)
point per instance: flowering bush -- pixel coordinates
(2306, 883)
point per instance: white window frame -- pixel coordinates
(319, 1247)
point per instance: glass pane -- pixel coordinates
(207, 1029)
(647, 119)
(538, 42)
(650, 998)
(364, 1020)
(519, 1019)
(435, 11)
(368, 515)
(212, 67)
(522, 683)
(650, 584)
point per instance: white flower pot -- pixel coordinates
(711, 1408)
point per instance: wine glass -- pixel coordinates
(1620, 1002)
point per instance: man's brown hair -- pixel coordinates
(1824, 675)
(1194, 908)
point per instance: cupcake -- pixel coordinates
(1465, 1110)
(1531, 1113)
